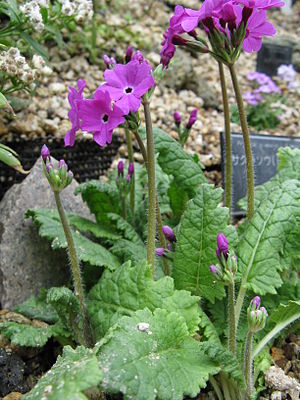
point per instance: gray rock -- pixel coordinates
(27, 262)
(275, 378)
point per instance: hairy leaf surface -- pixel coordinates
(155, 361)
(101, 198)
(25, 335)
(131, 288)
(87, 251)
(259, 261)
(196, 243)
(75, 371)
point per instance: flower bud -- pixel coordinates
(177, 118)
(257, 316)
(129, 53)
(120, 168)
(216, 270)
(192, 119)
(45, 153)
(130, 169)
(62, 164)
(255, 303)
(169, 234)
(138, 56)
(222, 246)
(159, 251)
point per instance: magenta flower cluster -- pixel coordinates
(223, 16)
(120, 95)
(263, 85)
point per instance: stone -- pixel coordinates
(275, 378)
(27, 262)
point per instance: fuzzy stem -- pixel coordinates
(247, 145)
(78, 284)
(132, 179)
(162, 238)
(216, 387)
(225, 387)
(248, 365)
(124, 213)
(228, 160)
(151, 185)
(231, 319)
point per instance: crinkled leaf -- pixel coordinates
(25, 335)
(285, 315)
(96, 229)
(226, 360)
(196, 243)
(126, 250)
(101, 198)
(131, 288)
(36, 307)
(207, 328)
(127, 230)
(259, 250)
(75, 371)
(174, 161)
(162, 362)
(87, 251)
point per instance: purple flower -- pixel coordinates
(268, 88)
(45, 153)
(169, 234)
(177, 118)
(99, 117)
(192, 119)
(138, 56)
(261, 4)
(222, 246)
(109, 61)
(120, 168)
(252, 98)
(213, 269)
(130, 169)
(287, 73)
(257, 27)
(127, 83)
(259, 77)
(255, 303)
(128, 55)
(159, 251)
(168, 48)
(74, 97)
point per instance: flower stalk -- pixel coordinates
(231, 319)
(247, 145)
(248, 365)
(130, 157)
(161, 235)
(151, 185)
(228, 157)
(78, 284)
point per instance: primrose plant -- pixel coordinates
(160, 306)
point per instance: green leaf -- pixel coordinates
(176, 162)
(196, 243)
(282, 317)
(75, 371)
(87, 251)
(126, 250)
(226, 360)
(36, 307)
(39, 49)
(207, 328)
(160, 362)
(131, 288)
(125, 228)
(101, 198)
(259, 261)
(96, 229)
(25, 335)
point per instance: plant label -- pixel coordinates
(271, 56)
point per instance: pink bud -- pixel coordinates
(129, 53)
(177, 118)
(213, 269)
(45, 153)
(121, 168)
(159, 251)
(62, 164)
(130, 169)
(193, 118)
(169, 234)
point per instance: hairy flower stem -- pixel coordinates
(78, 284)
(151, 185)
(231, 319)
(247, 145)
(228, 160)
(124, 213)
(216, 387)
(248, 365)
(225, 386)
(132, 179)
(162, 238)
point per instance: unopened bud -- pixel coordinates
(120, 168)
(45, 153)
(128, 55)
(222, 246)
(168, 233)
(257, 316)
(192, 119)
(177, 118)
(159, 251)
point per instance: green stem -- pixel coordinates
(94, 34)
(123, 201)
(132, 180)
(248, 365)
(247, 145)
(228, 160)
(78, 284)
(225, 387)
(151, 185)
(216, 387)
(162, 238)
(231, 319)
